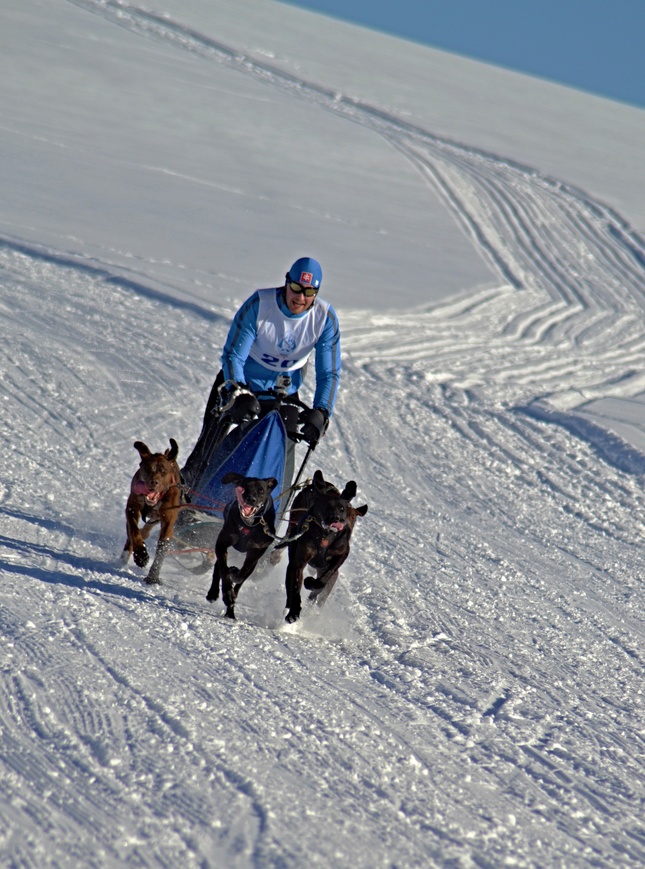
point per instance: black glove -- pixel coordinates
(227, 391)
(245, 408)
(314, 423)
(234, 386)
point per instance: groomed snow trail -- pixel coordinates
(471, 695)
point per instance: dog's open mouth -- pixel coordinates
(247, 511)
(337, 526)
(141, 487)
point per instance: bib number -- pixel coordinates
(276, 362)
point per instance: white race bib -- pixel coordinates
(285, 343)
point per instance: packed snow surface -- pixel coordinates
(472, 692)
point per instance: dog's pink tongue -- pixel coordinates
(141, 488)
(337, 526)
(247, 510)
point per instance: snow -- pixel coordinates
(472, 692)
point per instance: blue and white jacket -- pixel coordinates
(266, 340)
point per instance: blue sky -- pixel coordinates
(593, 45)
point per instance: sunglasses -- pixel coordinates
(299, 289)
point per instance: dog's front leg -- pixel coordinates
(234, 579)
(134, 543)
(168, 514)
(213, 591)
(294, 584)
(322, 585)
(250, 563)
(326, 579)
(222, 572)
(230, 587)
(153, 577)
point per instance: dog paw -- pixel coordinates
(312, 582)
(213, 593)
(230, 612)
(152, 580)
(292, 617)
(141, 556)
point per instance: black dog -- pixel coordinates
(249, 526)
(321, 522)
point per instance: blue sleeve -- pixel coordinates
(240, 338)
(328, 364)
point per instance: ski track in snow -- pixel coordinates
(472, 693)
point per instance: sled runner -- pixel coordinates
(250, 444)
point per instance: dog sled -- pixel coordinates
(239, 440)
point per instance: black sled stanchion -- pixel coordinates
(284, 402)
(276, 550)
(294, 485)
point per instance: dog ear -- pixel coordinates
(361, 510)
(272, 483)
(232, 477)
(349, 491)
(319, 480)
(142, 449)
(173, 452)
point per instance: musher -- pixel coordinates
(269, 343)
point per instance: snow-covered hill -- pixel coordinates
(472, 694)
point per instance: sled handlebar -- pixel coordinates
(235, 389)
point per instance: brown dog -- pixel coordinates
(320, 527)
(155, 496)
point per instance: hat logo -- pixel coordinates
(306, 278)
